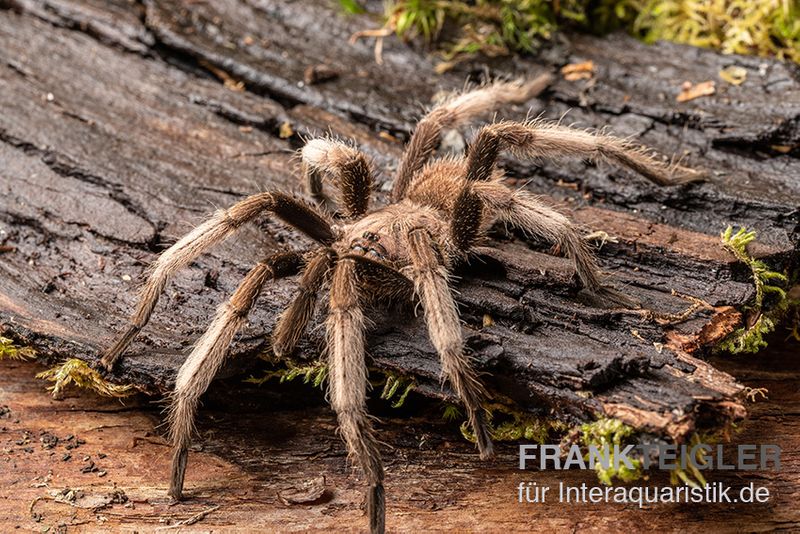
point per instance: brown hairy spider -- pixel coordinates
(440, 209)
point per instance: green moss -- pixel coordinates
(764, 28)
(395, 388)
(314, 374)
(10, 351)
(394, 384)
(351, 6)
(770, 305)
(692, 476)
(78, 372)
(451, 413)
(508, 423)
(611, 432)
(497, 27)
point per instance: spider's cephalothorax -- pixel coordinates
(440, 209)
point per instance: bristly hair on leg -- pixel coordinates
(444, 330)
(293, 321)
(544, 139)
(209, 353)
(348, 384)
(457, 111)
(219, 227)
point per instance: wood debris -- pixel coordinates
(316, 74)
(690, 91)
(307, 491)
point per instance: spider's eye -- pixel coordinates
(357, 248)
(374, 253)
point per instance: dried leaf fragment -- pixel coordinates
(578, 71)
(690, 91)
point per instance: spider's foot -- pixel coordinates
(282, 348)
(376, 508)
(609, 297)
(483, 437)
(175, 494)
(106, 364)
(111, 356)
(685, 175)
(178, 472)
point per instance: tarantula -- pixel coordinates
(440, 209)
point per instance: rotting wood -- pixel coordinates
(437, 481)
(155, 141)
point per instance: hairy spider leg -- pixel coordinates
(221, 225)
(525, 211)
(455, 112)
(209, 353)
(347, 370)
(535, 139)
(293, 322)
(466, 219)
(444, 330)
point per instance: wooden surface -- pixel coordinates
(435, 481)
(117, 135)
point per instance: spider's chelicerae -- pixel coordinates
(440, 209)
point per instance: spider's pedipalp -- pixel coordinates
(545, 139)
(221, 225)
(381, 281)
(347, 370)
(293, 321)
(209, 353)
(444, 329)
(455, 112)
(346, 166)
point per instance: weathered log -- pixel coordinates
(116, 140)
(435, 480)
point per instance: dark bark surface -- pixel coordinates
(117, 136)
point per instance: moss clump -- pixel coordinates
(78, 372)
(9, 351)
(394, 384)
(611, 432)
(509, 423)
(750, 339)
(498, 27)
(691, 476)
(764, 27)
(314, 374)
